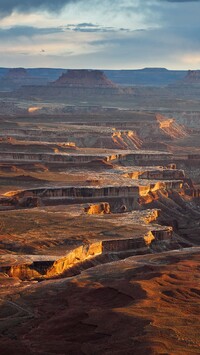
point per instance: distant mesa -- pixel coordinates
(17, 73)
(15, 78)
(155, 69)
(191, 81)
(84, 78)
(193, 76)
(79, 84)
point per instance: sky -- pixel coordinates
(104, 34)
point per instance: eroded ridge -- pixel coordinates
(91, 211)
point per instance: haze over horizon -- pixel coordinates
(126, 34)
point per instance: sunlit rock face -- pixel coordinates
(98, 246)
(101, 208)
(33, 109)
(85, 78)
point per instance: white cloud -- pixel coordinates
(106, 34)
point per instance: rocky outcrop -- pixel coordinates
(76, 256)
(139, 157)
(170, 127)
(192, 77)
(126, 140)
(157, 174)
(189, 118)
(177, 210)
(94, 137)
(57, 157)
(83, 84)
(144, 304)
(29, 267)
(101, 208)
(137, 244)
(121, 198)
(78, 194)
(84, 78)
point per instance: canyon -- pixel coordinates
(99, 215)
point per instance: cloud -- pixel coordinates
(85, 25)
(106, 33)
(9, 6)
(169, 47)
(27, 31)
(177, 1)
(92, 28)
(32, 31)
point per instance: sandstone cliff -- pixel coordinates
(84, 78)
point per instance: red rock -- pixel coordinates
(85, 78)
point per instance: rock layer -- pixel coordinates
(84, 78)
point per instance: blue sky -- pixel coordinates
(107, 34)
